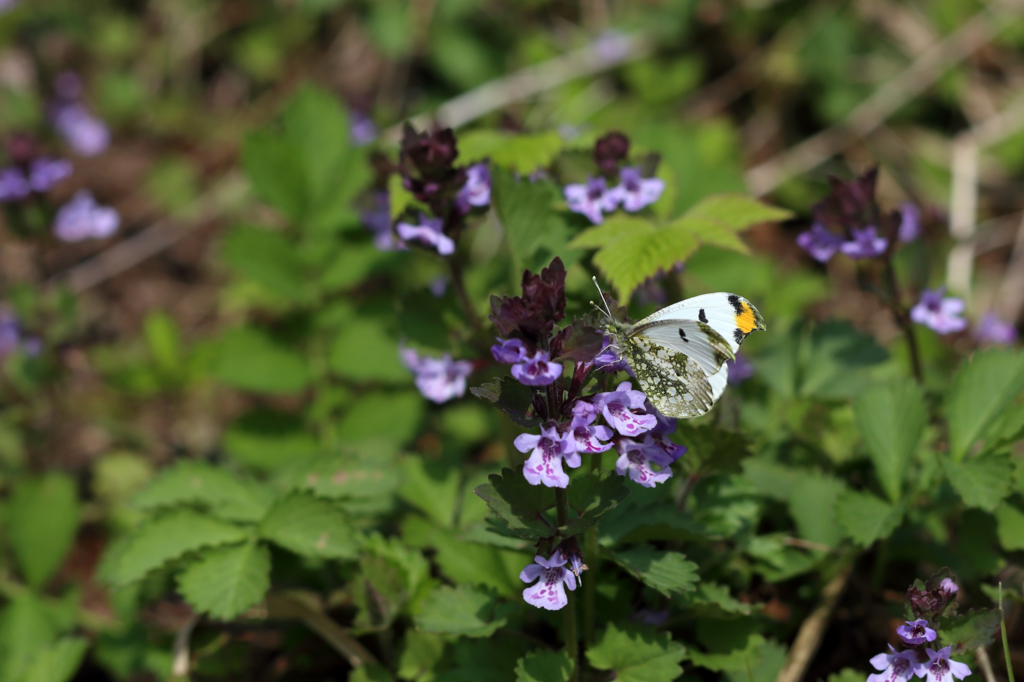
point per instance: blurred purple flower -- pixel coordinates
(83, 218)
(910, 222)
(44, 173)
(477, 190)
(619, 409)
(591, 199)
(536, 370)
(819, 242)
(949, 588)
(13, 185)
(634, 192)
(865, 244)
(916, 632)
(68, 86)
(427, 232)
(86, 134)
(739, 370)
(361, 129)
(438, 379)
(509, 351)
(10, 332)
(635, 460)
(549, 592)
(938, 312)
(546, 454)
(939, 668)
(586, 437)
(993, 330)
(894, 667)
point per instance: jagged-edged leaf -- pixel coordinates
(269, 258)
(712, 600)
(41, 520)
(341, 476)
(976, 628)
(628, 261)
(169, 537)
(198, 482)
(636, 655)
(592, 496)
(736, 211)
(57, 662)
(891, 420)
(225, 581)
(544, 666)
(523, 153)
(519, 504)
(310, 527)
(512, 398)
(611, 230)
(666, 572)
(711, 233)
(866, 518)
(534, 230)
(982, 388)
(249, 359)
(463, 610)
(982, 482)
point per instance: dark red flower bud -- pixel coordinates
(610, 151)
(851, 204)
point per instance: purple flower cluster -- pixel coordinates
(593, 198)
(83, 218)
(438, 379)
(41, 174)
(86, 134)
(12, 338)
(940, 313)
(991, 329)
(533, 369)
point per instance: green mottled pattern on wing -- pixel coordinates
(674, 383)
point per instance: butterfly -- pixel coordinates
(678, 354)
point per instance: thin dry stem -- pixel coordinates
(808, 638)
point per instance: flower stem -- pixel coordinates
(903, 319)
(572, 646)
(460, 288)
(1002, 629)
(590, 555)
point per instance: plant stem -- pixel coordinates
(460, 289)
(1002, 629)
(688, 487)
(903, 319)
(572, 646)
(590, 555)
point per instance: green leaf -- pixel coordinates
(866, 518)
(370, 673)
(462, 610)
(25, 629)
(42, 518)
(712, 449)
(519, 504)
(310, 527)
(812, 501)
(364, 351)
(420, 655)
(736, 212)
(982, 482)
(431, 487)
(268, 258)
(616, 227)
(168, 537)
(164, 340)
(267, 440)
(275, 172)
(523, 154)
(976, 628)
(249, 359)
(982, 388)
(592, 496)
(711, 600)
(637, 656)
(891, 419)
(544, 666)
(58, 662)
(666, 572)
(511, 397)
(630, 260)
(1010, 527)
(339, 476)
(391, 417)
(225, 581)
(534, 230)
(198, 482)
(710, 233)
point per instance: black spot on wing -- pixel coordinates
(738, 335)
(736, 304)
(702, 317)
(682, 335)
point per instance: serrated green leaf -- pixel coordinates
(268, 258)
(225, 581)
(168, 537)
(544, 666)
(42, 518)
(249, 359)
(57, 662)
(512, 398)
(198, 482)
(982, 482)
(812, 501)
(711, 233)
(463, 610)
(982, 388)
(534, 230)
(522, 153)
(711, 600)
(339, 476)
(891, 420)
(592, 496)
(866, 518)
(736, 211)
(519, 504)
(431, 487)
(1010, 527)
(637, 656)
(628, 261)
(976, 628)
(611, 230)
(310, 527)
(666, 572)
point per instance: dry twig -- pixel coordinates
(181, 659)
(808, 638)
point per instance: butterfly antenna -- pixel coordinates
(607, 308)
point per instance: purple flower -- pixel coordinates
(83, 218)
(537, 370)
(635, 459)
(910, 222)
(549, 592)
(591, 199)
(476, 191)
(586, 437)
(894, 666)
(361, 130)
(916, 632)
(438, 379)
(865, 244)
(940, 669)
(428, 232)
(44, 173)
(608, 360)
(8, 5)
(949, 588)
(938, 312)
(85, 133)
(618, 409)
(13, 185)
(739, 370)
(509, 351)
(993, 330)
(634, 192)
(819, 243)
(548, 450)
(10, 333)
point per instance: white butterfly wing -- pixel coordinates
(732, 316)
(688, 337)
